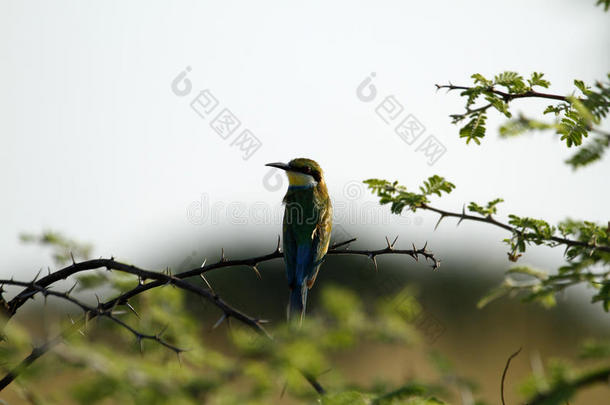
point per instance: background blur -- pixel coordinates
(96, 143)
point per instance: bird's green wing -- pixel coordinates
(321, 240)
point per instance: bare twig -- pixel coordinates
(32, 357)
(504, 373)
(314, 382)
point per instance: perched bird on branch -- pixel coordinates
(306, 228)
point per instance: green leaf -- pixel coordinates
(537, 80)
(511, 80)
(595, 349)
(493, 295)
(604, 3)
(604, 296)
(487, 210)
(475, 129)
(499, 104)
(435, 185)
(538, 274)
(581, 86)
(478, 78)
(400, 198)
(583, 111)
(592, 151)
(345, 398)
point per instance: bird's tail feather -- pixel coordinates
(297, 302)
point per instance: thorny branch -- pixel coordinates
(506, 97)
(106, 309)
(41, 286)
(159, 280)
(91, 311)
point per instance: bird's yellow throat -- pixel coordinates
(300, 179)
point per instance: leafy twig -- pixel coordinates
(589, 247)
(564, 390)
(576, 116)
(490, 220)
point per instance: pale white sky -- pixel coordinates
(94, 143)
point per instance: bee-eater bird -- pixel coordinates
(306, 228)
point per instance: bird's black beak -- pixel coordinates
(282, 166)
